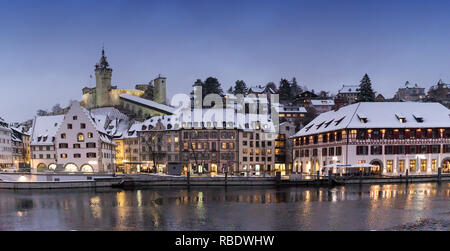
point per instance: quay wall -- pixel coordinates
(150, 180)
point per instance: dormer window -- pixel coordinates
(309, 127)
(328, 123)
(362, 118)
(339, 120)
(39, 139)
(401, 118)
(418, 118)
(319, 125)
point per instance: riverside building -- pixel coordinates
(77, 142)
(395, 137)
(210, 147)
(6, 158)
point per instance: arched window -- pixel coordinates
(41, 167)
(87, 168)
(71, 168)
(80, 137)
(52, 167)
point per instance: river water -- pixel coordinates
(367, 207)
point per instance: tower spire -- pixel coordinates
(103, 64)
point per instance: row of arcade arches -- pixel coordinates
(69, 167)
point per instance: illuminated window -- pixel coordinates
(87, 168)
(433, 165)
(71, 168)
(412, 165)
(401, 166)
(80, 137)
(90, 135)
(52, 167)
(63, 155)
(423, 165)
(389, 166)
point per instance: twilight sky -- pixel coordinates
(48, 49)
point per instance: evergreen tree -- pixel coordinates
(295, 88)
(366, 94)
(211, 85)
(240, 88)
(230, 90)
(284, 90)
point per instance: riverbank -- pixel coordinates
(58, 181)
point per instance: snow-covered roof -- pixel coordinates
(207, 119)
(319, 102)
(45, 128)
(349, 89)
(298, 109)
(148, 103)
(380, 115)
(20, 129)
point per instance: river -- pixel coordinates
(369, 207)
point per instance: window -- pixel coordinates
(69, 126)
(423, 165)
(63, 145)
(412, 165)
(77, 155)
(433, 165)
(389, 166)
(80, 137)
(331, 151)
(83, 126)
(71, 168)
(362, 150)
(376, 150)
(63, 135)
(90, 145)
(401, 166)
(74, 117)
(388, 149)
(87, 168)
(90, 135)
(63, 155)
(324, 151)
(76, 146)
(91, 155)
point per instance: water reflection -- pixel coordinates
(235, 208)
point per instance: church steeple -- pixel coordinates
(103, 64)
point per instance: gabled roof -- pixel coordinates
(380, 115)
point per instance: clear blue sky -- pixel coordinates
(48, 48)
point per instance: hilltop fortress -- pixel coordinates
(147, 100)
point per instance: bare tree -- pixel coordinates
(153, 146)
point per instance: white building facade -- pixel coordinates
(77, 142)
(394, 137)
